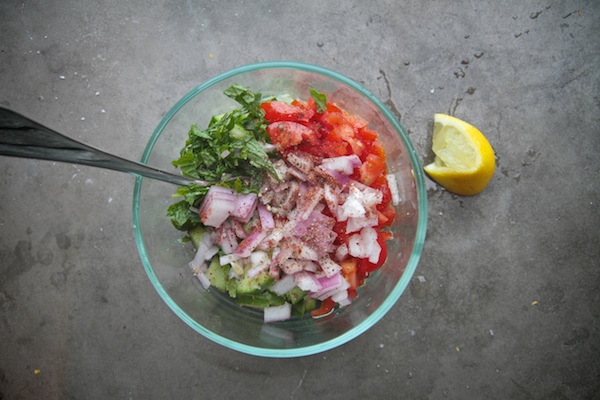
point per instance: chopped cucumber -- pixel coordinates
(196, 234)
(217, 275)
(295, 294)
(260, 300)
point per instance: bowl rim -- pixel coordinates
(398, 289)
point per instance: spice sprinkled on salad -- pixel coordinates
(295, 218)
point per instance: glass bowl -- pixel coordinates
(212, 314)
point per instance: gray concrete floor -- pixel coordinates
(505, 302)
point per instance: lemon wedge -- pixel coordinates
(464, 159)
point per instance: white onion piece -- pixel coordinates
(283, 285)
(278, 313)
(393, 185)
(206, 250)
(260, 262)
(228, 259)
(345, 302)
(329, 267)
(307, 281)
(341, 252)
(365, 245)
(356, 224)
(342, 164)
(203, 280)
(339, 296)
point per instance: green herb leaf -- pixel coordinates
(182, 217)
(227, 153)
(320, 100)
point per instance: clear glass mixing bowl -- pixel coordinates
(211, 313)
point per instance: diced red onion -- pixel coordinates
(245, 204)
(217, 205)
(238, 228)
(302, 161)
(308, 201)
(278, 313)
(226, 237)
(249, 243)
(339, 177)
(331, 282)
(266, 218)
(332, 291)
(295, 172)
(290, 266)
(308, 265)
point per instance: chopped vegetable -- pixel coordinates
(294, 220)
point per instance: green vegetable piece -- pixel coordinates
(257, 284)
(299, 309)
(260, 300)
(232, 288)
(320, 100)
(196, 234)
(238, 131)
(310, 303)
(217, 275)
(295, 294)
(182, 217)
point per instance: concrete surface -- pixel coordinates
(505, 303)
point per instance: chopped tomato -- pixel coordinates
(371, 169)
(327, 306)
(368, 134)
(349, 268)
(381, 184)
(340, 229)
(389, 213)
(276, 111)
(345, 132)
(288, 133)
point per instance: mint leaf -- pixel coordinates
(229, 152)
(182, 217)
(320, 100)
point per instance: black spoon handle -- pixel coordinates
(23, 137)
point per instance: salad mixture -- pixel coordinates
(294, 218)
